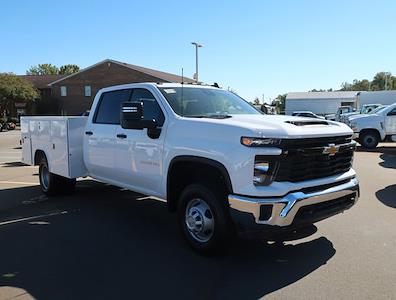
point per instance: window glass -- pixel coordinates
(87, 91)
(392, 112)
(109, 109)
(205, 102)
(151, 108)
(63, 91)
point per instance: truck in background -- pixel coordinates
(365, 109)
(370, 129)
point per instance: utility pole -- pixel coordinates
(196, 60)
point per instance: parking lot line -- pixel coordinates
(18, 182)
(33, 218)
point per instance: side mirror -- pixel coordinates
(132, 116)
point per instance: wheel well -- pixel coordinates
(38, 156)
(375, 131)
(185, 171)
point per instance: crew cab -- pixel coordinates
(372, 128)
(224, 167)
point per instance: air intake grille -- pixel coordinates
(310, 159)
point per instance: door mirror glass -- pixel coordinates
(132, 116)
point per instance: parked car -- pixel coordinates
(370, 129)
(307, 114)
(11, 126)
(4, 126)
(224, 167)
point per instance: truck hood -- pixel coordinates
(280, 126)
(364, 117)
(350, 114)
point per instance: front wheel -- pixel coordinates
(203, 219)
(369, 140)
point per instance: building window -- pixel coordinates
(87, 91)
(63, 91)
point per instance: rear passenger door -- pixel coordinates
(100, 135)
(138, 156)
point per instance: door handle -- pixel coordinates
(122, 136)
(88, 132)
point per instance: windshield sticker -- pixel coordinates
(170, 91)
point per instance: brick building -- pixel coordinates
(46, 104)
(75, 93)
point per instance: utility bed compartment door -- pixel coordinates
(26, 142)
(59, 153)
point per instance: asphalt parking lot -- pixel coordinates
(107, 243)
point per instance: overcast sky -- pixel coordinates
(254, 47)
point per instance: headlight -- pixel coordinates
(353, 125)
(259, 142)
(264, 171)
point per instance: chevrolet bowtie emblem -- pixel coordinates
(331, 149)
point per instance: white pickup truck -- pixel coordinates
(222, 165)
(372, 128)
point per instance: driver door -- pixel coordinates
(138, 156)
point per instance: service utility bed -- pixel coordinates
(61, 138)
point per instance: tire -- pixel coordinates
(52, 184)
(204, 219)
(369, 139)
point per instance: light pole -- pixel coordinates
(196, 59)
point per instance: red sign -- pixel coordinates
(20, 104)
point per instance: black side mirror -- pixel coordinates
(132, 114)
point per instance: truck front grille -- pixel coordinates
(308, 159)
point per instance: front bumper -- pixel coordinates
(298, 208)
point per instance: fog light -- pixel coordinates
(261, 172)
(264, 171)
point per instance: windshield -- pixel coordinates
(204, 102)
(378, 109)
(368, 109)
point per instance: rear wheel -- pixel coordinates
(369, 139)
(52, 184)
(203, 219)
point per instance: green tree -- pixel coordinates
(256, 101)
(382, 81)
(15, 89)
(69, 69)
(43, 69)
(280, 103)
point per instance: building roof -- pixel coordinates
(41, 81)
(322, 95)
(167, 77)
